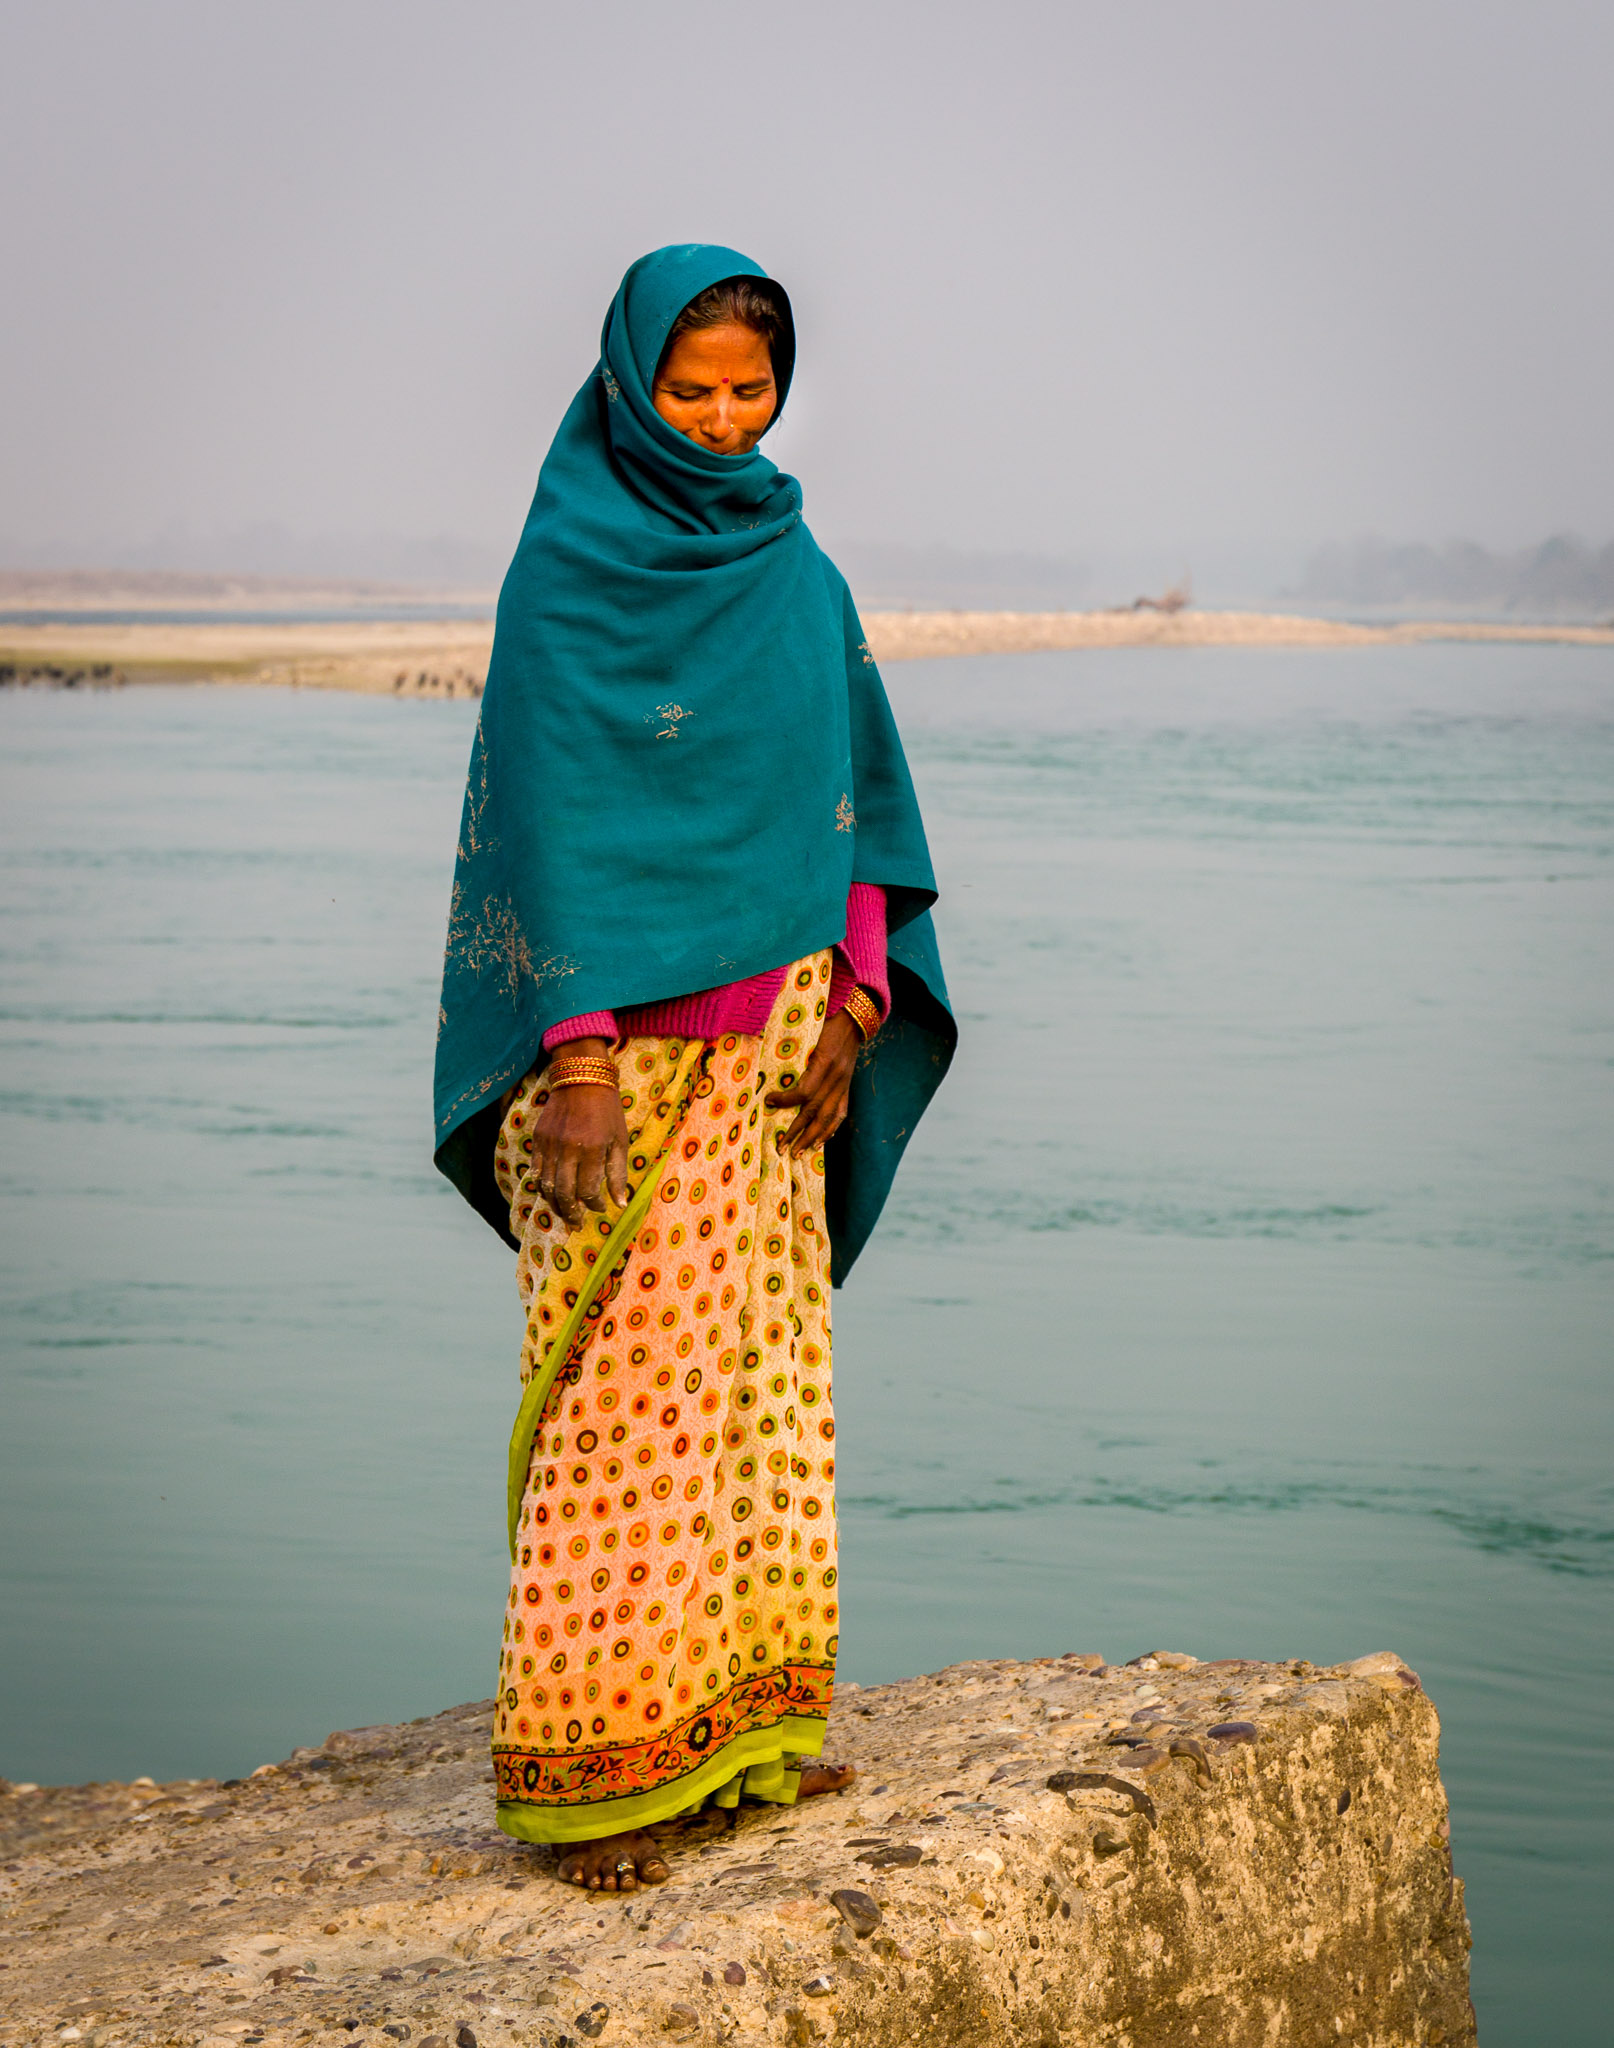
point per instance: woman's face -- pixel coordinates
(717, 387)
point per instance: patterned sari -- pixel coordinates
(671, 1629)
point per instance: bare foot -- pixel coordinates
(820, 1778)
(615, 1863)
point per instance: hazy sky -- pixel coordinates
(1166, 276)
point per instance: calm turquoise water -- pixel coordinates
(1250, 1289)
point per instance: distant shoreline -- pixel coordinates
(906, 636)
(447, 657)
(203, 591)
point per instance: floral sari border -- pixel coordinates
(792, 1736)
(759, 1719)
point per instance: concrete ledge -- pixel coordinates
(1058, 1852)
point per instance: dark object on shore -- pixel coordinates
(50, 675)
(1176, 599)
(427, 682)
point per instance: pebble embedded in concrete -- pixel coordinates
(860, 1912)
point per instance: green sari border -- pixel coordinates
(795, 1734)
(535, 1395)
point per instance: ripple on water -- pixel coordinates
(1581, 1545)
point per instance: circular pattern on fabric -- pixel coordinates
(729, 1268)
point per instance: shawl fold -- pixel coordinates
(684, 757)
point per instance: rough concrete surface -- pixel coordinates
(1057, 1852)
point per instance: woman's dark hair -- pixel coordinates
(754, 302)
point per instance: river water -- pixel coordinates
(1248, 1291)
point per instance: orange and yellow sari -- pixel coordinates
(671, 1629)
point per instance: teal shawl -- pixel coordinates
(685, 756)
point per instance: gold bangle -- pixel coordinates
(585, 1070)
(864, 1012)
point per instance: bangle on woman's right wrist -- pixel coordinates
(581, 1070)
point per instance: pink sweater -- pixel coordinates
(743, 1006)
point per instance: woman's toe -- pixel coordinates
(619, 1866)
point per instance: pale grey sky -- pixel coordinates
(1171, 279)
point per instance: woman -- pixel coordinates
(691, 1011)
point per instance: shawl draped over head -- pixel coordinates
(684, 758)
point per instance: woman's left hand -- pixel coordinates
(820, 1096)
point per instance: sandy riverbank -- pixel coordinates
(442, 657)
(448, 657)
(903, 636)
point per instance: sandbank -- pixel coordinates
(448, 657)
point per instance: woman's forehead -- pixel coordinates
(726, 353)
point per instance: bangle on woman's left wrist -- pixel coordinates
(864, 1012)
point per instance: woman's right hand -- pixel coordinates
(580, 1148)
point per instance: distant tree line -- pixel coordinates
(1563, 576)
